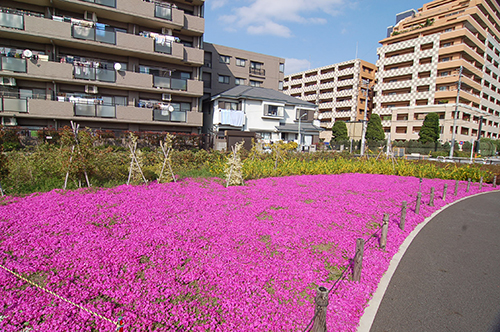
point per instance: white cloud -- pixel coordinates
(272, 17)
(270, 28)
(296, 65)
(214, 4)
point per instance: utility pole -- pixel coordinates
(456, 112)
(476, 150)
(364, 121)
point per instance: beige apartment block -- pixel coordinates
(423, 59)
(339, 90)
(105, 64)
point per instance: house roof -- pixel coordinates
(294, 128)
(250, 92)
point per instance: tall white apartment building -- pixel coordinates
(339, 90)
(426, 56)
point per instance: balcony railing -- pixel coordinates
(255, 71)
(88, 33)
(163, 11)
(170, 83)
(107, 3)
(175, 116)
(97, 111)
(11, 19)
(13, 64)
(14, 105)
(94, 74)
(164, 47)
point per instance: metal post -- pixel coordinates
(300, 135)
(477, 145)
(444, 191)
(363, 135)
(456, 187)
(495, 181)
(468, 185)
(456, 112)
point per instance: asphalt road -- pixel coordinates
(449, 277)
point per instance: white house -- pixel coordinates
(270, 114)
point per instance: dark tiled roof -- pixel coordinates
(250, 92)
(294, 127)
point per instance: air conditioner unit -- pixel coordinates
(9, 121)
(166, 96)
(166, 31)
(10, 81)
(91, 89)
(90, 16)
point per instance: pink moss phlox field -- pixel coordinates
(196, 256)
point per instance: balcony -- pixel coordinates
(170, 83)
(94, 74)
(11, 19)
(15, 105)
(16, 65)
(107, 3)
(174, 116)
(105, 41)
(94, 34)
(257, 71)
(163, 11)
(98, 111)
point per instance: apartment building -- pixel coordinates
(339, 90)
(442, 58)
(107, 64)
(225, 68)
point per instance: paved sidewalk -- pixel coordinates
(449, 277)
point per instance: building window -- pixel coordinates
(448, 30)
(446, 45)
(256, 65)
(239, 81)
(443, 88)
(282, 67)
(445, 59)
(444, 73)
(280, 85)
(224, 59)
(255, 83)
(224, 79)
(273, 110)
(241, 62)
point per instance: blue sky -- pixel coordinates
(307, 33)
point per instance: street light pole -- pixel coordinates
(300, 136)
(363, 139)
(456, 112)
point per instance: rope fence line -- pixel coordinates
(417, 201)
(119, 324)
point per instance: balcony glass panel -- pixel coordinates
(15, 105)
(105, 75)
(175, 116)
(108, 3)
(14, 64)
(161, 82)
(85, 110)
(11, 20)
(178, 84)
(81, 32)
(105, 111)
(163, 12)
(84, 73)
(103, 36)
(178, 116)
(165, 47)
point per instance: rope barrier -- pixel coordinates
(119, 324)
